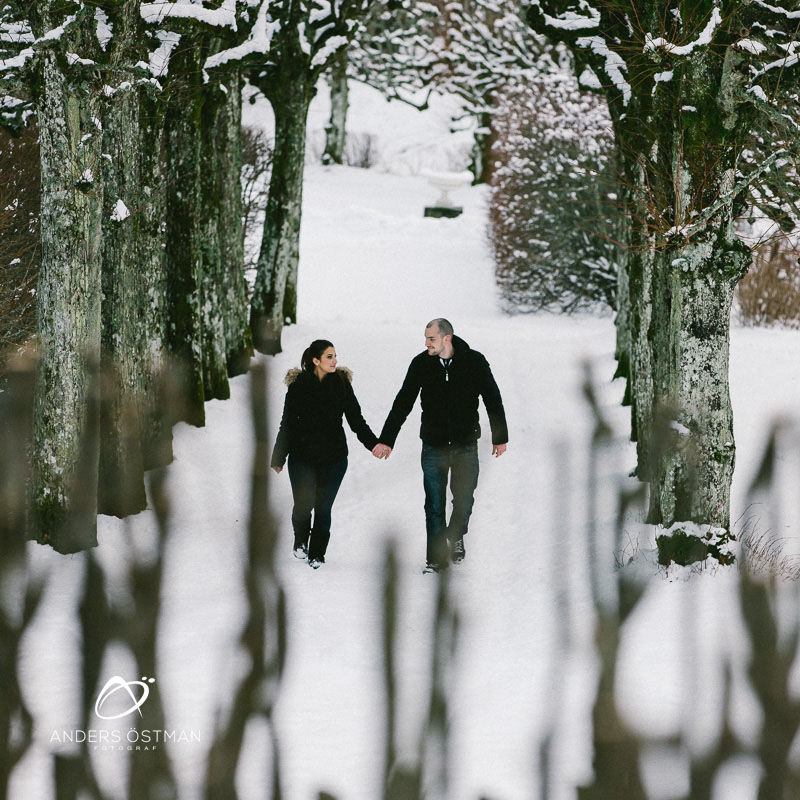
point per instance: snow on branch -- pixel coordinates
(328, 49)
(57, 33)
(74, 58)
(257, 43)
(159, 58)
(17, 61)
(789, 60)
(158, 12)
(705, 37)
(614, 63)
(750, 46)
(778, 10)
(571, 20)
(20, 32)
(16, 32)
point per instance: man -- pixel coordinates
(450, 377)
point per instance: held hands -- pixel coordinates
(381, 450)
(278, 469)
(498, 450)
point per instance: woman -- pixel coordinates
(312, 436)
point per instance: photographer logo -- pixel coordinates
(108, 701)
(118, 699)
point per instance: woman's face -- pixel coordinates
(326, 363)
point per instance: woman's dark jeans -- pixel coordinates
(314, 488)
(460, 463)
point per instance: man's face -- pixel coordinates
(434, 341)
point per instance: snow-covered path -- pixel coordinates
(393, 272)
(373, 272)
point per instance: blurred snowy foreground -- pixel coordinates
(373, 271)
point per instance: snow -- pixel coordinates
(120, 211)
(333, 44)
(570, 20)
(654, 43)
(104, 28)
(158, 12)
(373, 271)
(16, 61)
(778, 10)
(257, 42)
(159, 58)
(74, 58)
(58, 32)
(751, 46)
(589, 79)
(16, 32)
(614, 63)
(789, 60)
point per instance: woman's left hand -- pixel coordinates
(278, 469)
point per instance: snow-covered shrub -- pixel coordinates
(552, 202)
(770, 292)
(20, 252)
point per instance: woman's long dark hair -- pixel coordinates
(314, 350)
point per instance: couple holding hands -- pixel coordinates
(450, 377)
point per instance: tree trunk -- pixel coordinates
(64, 453)
(274, 300)
(212, 260)
(228, 153)
(481, 162)
(335, 130)
(679, 282)
(121, 488)
(183, 246)
(159, 413)
(692, 453)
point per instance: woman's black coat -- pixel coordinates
(311, 427)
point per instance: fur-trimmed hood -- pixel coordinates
(295, 372)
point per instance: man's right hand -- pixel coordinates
(381, 450)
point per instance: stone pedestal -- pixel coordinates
(446, 182)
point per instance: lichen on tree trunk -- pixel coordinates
(692, 453)
(677, 149)
(64, 457)
(211, 273)
(121, 488)
(156, 424)
(228, 166)
(183, 246)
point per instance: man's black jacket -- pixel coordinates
(449, 399)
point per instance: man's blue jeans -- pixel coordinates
(459, 463)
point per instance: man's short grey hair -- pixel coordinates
(442, 325)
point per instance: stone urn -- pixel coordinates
(446, 182)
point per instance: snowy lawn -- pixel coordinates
(373, 272)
